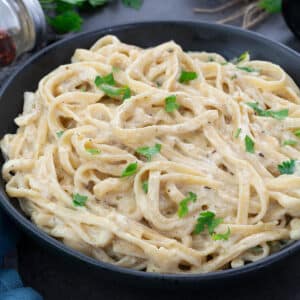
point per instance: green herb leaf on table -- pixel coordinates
(79, 200)
(131, 169)
(249, 144)
(171, 104)
(183, 205)
(96, 3)
(187, 76)
(93, 151)
(271, 6)
(66, 22)
(287, 167)
(148, 152)
(136, 4)
(145, 186)
(279, 115)
(59, 133)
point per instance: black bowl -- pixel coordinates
(226, 40)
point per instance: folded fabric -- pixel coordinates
(11, 286)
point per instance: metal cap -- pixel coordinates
(36, 12)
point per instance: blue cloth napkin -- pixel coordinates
(11, 286)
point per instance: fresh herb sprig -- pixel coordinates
(63, 15)
(148, 152)
(207, 219)
(271, 6)
(279, 114)
(183, 205)
(287, 167)
(107, 85)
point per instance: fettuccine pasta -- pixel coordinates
(160, 160)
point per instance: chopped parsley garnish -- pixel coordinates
(131, 169)
(108, 79)
(126, 93)
(290, 143)
(107, 85)
(171, 104)
(241, 58)
(279, 115)
(79, 200)
(187, 76)
(249, 144)
(148, 152)
(183, 205)
(237, 133)
(66, 21)
(93, 151)
(287, 167)
(145, 186)
(210, 59)
(297, 132)
(248, 69)
(136, 4)
(59, 133)
(271, 6)
(208, 220)
(221, 236)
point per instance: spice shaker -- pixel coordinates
(22, 27)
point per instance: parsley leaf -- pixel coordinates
(271, 6)
(59, 133)
(241, 58)
(287, 167)
(237, 133)
(279, 115)
(183, 205)
(126, 93)
(145, 186)
(148, 152)
(108, 79)
(66, 22)
(207, 219)
(289, 143)
(249, 144)
(131, 169)
(187, 76)
(93, 151)
(97, 2)
(297, 132)
(221, 236)
(247, 69)
(171, 104)
(79, 200)
(136, 4)
(107, 85)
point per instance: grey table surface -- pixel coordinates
(55, 280)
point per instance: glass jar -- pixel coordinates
(22, 27)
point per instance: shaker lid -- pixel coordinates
(36, 12)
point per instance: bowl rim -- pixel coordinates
(32, 230)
